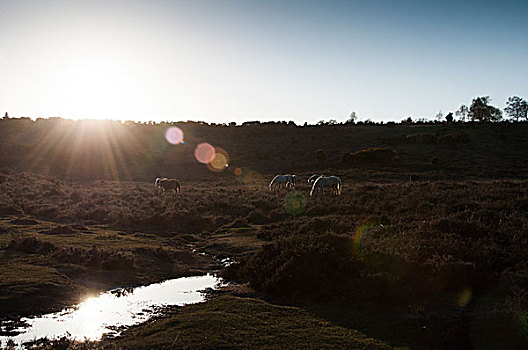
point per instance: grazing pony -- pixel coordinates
(312, 178)
(161, 185)
(286, 181)
(293, 181)
(327, 181)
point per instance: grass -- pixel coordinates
(234, 241)
(229, 322)
(28, 286)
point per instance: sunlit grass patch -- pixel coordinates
(231, 322)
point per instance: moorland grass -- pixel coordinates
(229, 322)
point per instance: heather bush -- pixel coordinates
(301, 268)
(159, 253)
(454, 138)
(321, 155)
(370, 155)
(257, 217)
(95, 258)
(31, 245)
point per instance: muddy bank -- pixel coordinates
(43, 272)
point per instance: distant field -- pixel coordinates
(425, 249)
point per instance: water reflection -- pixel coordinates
(96, 315)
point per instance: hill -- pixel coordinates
(131, 151)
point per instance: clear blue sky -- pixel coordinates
(222, 61)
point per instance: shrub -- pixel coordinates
(46, 212)
(346, 157)
(59, 230)
(371, 155)
(257, 217)
(158, 253)
(302, 268)
(31, 245)
(96, 258)
(6, 209)
(454, 138)
(321, 155)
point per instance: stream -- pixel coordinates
(110, 310)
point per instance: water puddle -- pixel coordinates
(120, 307)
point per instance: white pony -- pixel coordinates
(312, 178)
(327, 181)
(293, 181)
(163, 184)
(286, 181)
(157, 183)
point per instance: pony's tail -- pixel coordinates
(339, 187)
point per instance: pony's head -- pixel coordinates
(314, 187)
(312, 178)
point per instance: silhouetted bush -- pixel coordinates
(301, 268)
(96, 258)
(370, 155)
(320, 155)
(454, 138)
(59, 230)
(257, 217)
(31, 245)
(6, 209)
(157, 253)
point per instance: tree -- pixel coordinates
(516, 108)
(481, 111)
(407, 121)
(439, 116)
(449, 118)
(462, 113)
(353, 117)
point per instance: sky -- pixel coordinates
(228, 60)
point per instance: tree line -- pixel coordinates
(480, 110)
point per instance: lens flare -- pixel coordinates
(237, 171)
(174, 135)
(204, 153)
(522, 323)
(358, 236)
(294, 203)
(220, 160)
(464, 297)
(249, 177)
